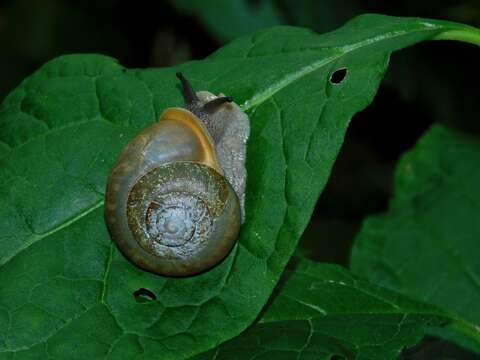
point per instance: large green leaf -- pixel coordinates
(65, 286)
(324, 312)
(427, 244)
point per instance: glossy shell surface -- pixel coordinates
(168, 206)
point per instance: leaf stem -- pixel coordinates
(469, 35)
(470, 330)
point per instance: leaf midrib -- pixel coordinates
(263, 96)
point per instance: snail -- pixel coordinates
(175, 198)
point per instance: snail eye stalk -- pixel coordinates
(190, 95)
(215, 104)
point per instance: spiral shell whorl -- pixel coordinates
(173, 209)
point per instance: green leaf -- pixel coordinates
(64, 283)
(426, 245)
(323, 311)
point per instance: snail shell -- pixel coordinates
(175, 197)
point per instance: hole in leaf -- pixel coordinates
(337, 357)
(143, 295)
(338, 76)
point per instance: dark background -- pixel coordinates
(431, 82)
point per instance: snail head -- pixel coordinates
(195, 105)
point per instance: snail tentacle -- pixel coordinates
(214, 105)
(188, 92)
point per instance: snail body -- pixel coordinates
(175, 197)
